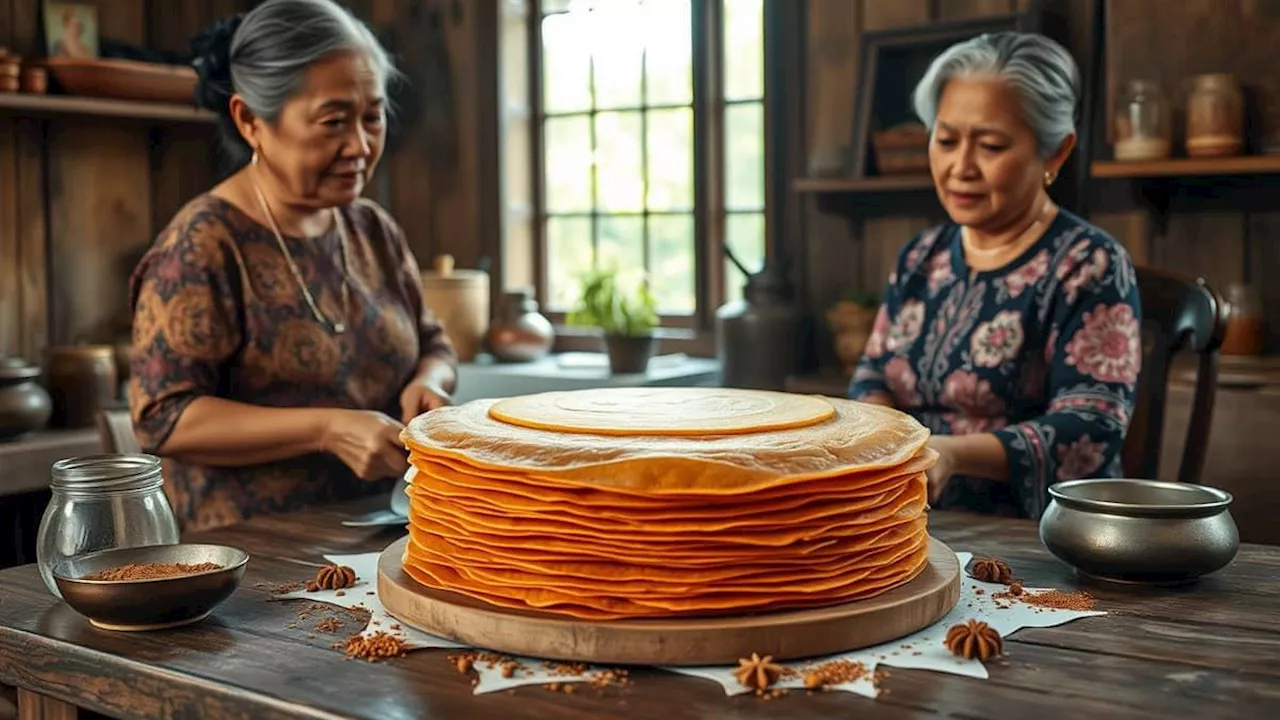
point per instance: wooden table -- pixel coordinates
(1208, 650)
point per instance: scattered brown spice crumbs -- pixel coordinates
(1059, 600)
(834, 672)
(1015, 588)
(328, 625)
(151, 571)
(340, 593)
(375, 646)
(279, 588)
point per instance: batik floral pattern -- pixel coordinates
(1044, 353)
(218, 313)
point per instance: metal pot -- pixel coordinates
(1142, 531)
(24, 405)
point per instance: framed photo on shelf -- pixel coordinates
(892, 62)
(70, 30)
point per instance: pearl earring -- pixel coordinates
(1049, 178)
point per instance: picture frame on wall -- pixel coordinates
(891, 63)
(70, 30)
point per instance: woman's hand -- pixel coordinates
(422, 396)
(940, 474)
(368, 442)
(429, 389)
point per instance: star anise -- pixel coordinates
(757, 672)
(332, 577)
(974, 639)
(992, 570)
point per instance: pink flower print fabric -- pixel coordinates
(1044, 353)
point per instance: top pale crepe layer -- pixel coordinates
(858, 437)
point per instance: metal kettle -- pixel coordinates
(761, 339)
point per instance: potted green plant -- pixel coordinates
(625, 315)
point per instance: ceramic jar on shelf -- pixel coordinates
(520, 333)
(1215, 116)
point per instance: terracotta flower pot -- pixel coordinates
(629, 353)
(852, 325)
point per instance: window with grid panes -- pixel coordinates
(620, 153)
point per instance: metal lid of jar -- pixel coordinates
(106, 473)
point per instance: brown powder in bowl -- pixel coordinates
(151, 571)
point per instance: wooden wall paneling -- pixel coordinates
(32, 234)
(1204, 244)
(10, 309)
(10, 258)
(413, 185)
(965, 9)
(883, 237)
(99, 204)
(185, 159)
(456, 222)
(10, 249)
(1262, 270)
(832, 254)
(24, 287)
(1132, 228)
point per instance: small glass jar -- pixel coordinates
(1143, 125)
(1246, 334)
(1215, 116)
(103, 502)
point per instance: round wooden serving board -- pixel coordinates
(683, 641)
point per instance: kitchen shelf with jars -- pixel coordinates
(1201, 150)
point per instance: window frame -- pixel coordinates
(694, 333)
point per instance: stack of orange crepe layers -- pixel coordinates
(647, 503)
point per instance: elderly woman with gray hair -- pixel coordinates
(1011, 331)
(279, 336)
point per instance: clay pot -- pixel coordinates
(24, 405)
(520, 333)
(84, 382)
(629, 353)
(852, 325)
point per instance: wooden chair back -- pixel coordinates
(1179, 314)
(116, 429)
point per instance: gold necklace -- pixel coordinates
(337, 327)
(967, 239)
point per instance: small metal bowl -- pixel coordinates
(155, 604)
(1140, 531)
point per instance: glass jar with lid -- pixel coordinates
(1143, 124)
(102, 502)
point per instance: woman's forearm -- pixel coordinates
(219, 432)
(980, 455)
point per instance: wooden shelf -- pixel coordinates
(885, 183)
(1188, 167)
(44, 105)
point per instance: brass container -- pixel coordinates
(83, 381)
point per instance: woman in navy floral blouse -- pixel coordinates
(1011, 331)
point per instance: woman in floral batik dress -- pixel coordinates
(1011, 331)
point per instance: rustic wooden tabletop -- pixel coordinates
(1211, 649)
